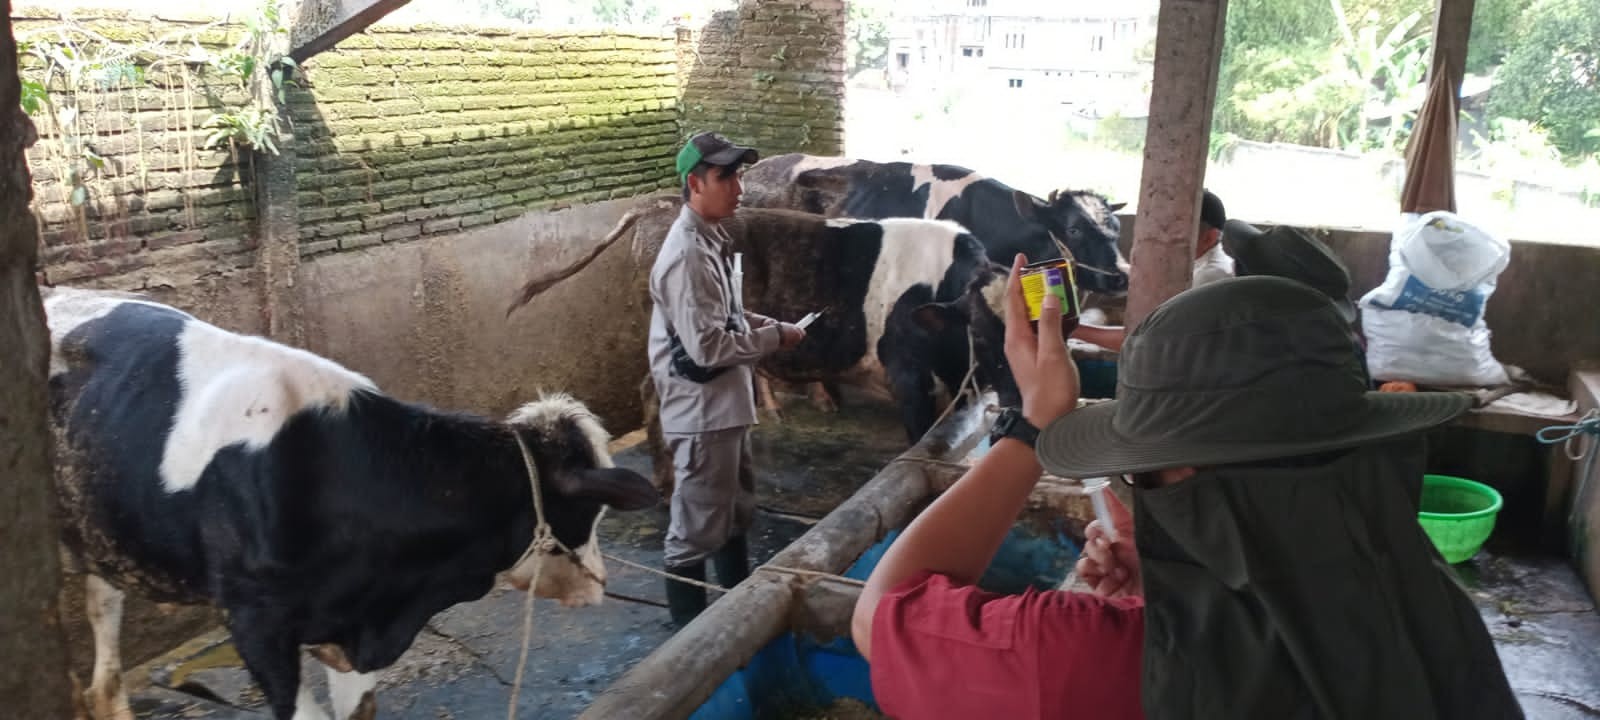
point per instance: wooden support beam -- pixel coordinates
(681, 674)
(33, 681)
(321, 24)
(1452, 26)
(1176, 146)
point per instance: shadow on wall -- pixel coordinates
(437, 167)
(769, 74)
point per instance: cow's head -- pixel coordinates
(577, 481)
(980, 312)
(1087, 224)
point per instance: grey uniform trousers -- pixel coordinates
(713, 495)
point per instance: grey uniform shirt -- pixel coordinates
(693, 295)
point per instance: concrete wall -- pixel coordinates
(1583, 521)
(1535, 313)
(426, 320)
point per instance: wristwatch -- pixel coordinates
(1011, 424)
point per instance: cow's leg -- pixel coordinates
(769, 400)
(660, 459)
(108, 699)
(821, 397)
(306, 707)
(353, 695)
(913, 390)
(272, 655)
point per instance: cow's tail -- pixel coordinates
(541, 283)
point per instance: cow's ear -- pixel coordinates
(1027, 205)
(1118, 206)
(620, 488)
(935, 317)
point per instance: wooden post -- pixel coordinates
(1452, 26)
(33, 680)
(1182, 95)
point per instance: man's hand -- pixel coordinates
(789, 335)
(1045, 374)
(1109, 568)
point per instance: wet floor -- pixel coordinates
(463, 665)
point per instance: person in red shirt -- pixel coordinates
(1271, 566)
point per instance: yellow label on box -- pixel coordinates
(1034, 289)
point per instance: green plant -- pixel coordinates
(251, 127)
(70, 71)
(1552, 75)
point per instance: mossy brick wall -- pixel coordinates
(404, 132)
(770, 73)
(159, 198)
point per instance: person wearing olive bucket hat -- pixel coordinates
(1271, 567)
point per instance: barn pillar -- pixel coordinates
(33, 680)
(1177, 142)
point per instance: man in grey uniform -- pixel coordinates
(703, 346)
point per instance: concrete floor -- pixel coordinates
(462, 666)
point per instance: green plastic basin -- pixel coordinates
(1458, 515)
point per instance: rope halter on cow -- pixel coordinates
(545, 542)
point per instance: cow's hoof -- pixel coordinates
(368, 709)
(824, 403)
(772, 415)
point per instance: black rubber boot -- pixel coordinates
(685, 601)
(732, 561)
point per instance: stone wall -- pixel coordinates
(406, 132)
(124, 185)
(770, 74)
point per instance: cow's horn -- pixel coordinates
(1053, 194)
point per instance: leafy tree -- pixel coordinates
(1552, 76)
(1304, 72)
(867, 36)
(625, 12)
(524, 11)
(1495, 24)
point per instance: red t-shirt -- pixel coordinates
(942, 650)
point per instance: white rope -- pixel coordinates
(662, 573)
(544, 541)
(818, 574)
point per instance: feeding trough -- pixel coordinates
(778, 645)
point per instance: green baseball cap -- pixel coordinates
(714, 149)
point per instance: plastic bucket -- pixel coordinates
(1457, 514)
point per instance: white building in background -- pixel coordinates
(1081, 53)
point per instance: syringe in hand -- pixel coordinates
(1096, 490)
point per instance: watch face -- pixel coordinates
(1004, 424)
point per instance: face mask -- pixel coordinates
(1307, 592)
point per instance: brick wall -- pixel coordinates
(414, 131)
(159, 198)
(770, 73)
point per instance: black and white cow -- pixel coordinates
(870, 277)
(1007, 221)
(195, 465)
